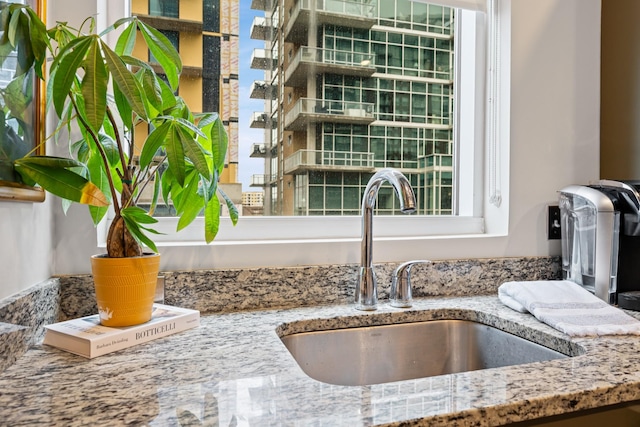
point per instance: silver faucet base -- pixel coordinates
(366, 290)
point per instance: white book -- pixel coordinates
(87, 337)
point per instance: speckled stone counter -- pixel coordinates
(234, 370)
(68, 297)
(261, 288)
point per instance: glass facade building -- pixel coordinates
(351, 87)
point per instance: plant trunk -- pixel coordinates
(120, 242)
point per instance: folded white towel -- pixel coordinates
(567, 307)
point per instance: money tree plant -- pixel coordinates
(129, 132)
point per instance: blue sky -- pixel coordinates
(247, 136)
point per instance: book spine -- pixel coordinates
(135, 336)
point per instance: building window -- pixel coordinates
(210, 73)
(166, 8)
(211, 15)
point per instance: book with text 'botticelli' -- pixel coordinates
(87, 337)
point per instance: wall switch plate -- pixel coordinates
(553, 222)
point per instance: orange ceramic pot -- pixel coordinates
(125, 288)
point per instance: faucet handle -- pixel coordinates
(400, 295)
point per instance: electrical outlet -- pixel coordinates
(553, 223)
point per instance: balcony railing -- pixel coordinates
(310, 61)
(260, 120)
(350, 13)
(262, 90)
(261, 60)
(258, 150)
(436, 162)
(262, 28)
(303, 160)
(265, 5)
(262, 180)
(308, 110)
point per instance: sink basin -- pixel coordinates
(381, 354)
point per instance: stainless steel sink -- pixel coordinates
(381, 354)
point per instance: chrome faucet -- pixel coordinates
(366, 288)
(401, 294)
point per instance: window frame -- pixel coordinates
(476, 217)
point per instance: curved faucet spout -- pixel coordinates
(366, 289)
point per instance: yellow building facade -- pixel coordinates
(205, 32)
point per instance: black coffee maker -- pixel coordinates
(600, 228)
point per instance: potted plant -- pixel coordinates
(136, 136)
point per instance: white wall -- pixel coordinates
(25, 248)
(555, 80)
(27, 230)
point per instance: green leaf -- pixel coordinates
(139, 215)
(149, 82)
(73, 56)
(152, 91)
(194, 152)
(164, 52)
(132, 221)
(18, 97)
(39, 41)
(175, 153)
(53, 176)
(167, 182)
(126, 81)
(52, 161)
(169, 99)
(189, 125)
(135, 62)
(24, 51)
(191, 202)
(94, 86)
(211, 220)
(219, 142)
(24, 33)
(124, 108)
(118, 23)
(153, 143)
(156, 193)
(5, 51)
(14, 25)
(126, 41)
(233, 210)
(111, 149)
(99, 178)
(110, 129)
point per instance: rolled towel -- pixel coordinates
(567, 307)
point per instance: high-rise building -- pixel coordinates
(205, 33)
(352, 86)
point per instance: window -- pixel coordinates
(404, 99)
(166, 8)
(211, 16)
(210, 73)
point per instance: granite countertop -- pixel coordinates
(234, 370)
